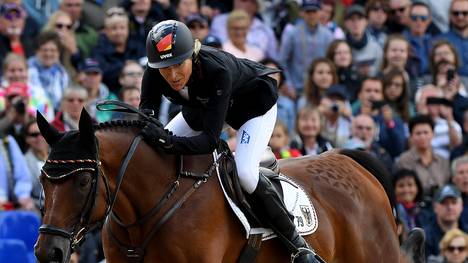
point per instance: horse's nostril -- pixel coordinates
(57, 255)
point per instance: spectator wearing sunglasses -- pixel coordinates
(377, 13)
(398, 18)
(458, 33)
(73, 101)
(448, 205)
(115, 47)
(453, 247)
(62, 23)
(417, 36)
(86, 36)
(35, 156)
(12, 31)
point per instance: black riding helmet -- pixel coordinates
(168, 43)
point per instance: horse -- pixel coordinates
(102, 176)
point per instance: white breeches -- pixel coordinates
(252, 139)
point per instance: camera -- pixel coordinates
(450, 74)
(335, 107)
(20, 107)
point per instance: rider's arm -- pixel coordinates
(151, 91)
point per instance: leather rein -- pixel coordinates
(133, 253)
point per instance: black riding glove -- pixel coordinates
(157, 136)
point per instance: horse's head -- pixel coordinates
(70, 180)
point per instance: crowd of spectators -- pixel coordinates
(389, 77)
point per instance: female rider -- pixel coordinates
(214, 87)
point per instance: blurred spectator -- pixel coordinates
(447, 132)
(432, 169)
(186, 8)
(396, 53)
(396, 94)
(448, 206)
(40, 10)
(363, 133)
(308, 139)
(399, 16)
(73, 101)
(340, 53)
(417, 36)
(301, 44)
(458, 33)
(45, 70)
(198, 25)
(212, 41)
(462, 149)
(259, 34)
(37, 153)
(97, 91)
(94, 11)
(377, 12)
(286, 106)
(440, 14)
(61, 23)
(115, 47)
(279, 142)
(321, 75)
(15, 70)
(131, 75)
(237, 27)
(460, 179)
(12, 26)
(421, 96)
(409, 196)
(448, 80)
(367, 53)
(86, 36)
(453, 248)
(140, 19)
(443, 50)
(391, 129)
(327, 12)
(15, 180)
(17, 112)
(336, 112)
(131, 96)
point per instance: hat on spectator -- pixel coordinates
(212, 41)
(90, 65)
(11, 10)
(17, 89)
(196, 18)
(447, 191)
(337, 90)
(355, 10)
(311, 5)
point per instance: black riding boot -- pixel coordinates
(267, 199)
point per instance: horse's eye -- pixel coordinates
(84, 180)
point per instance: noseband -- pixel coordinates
(75, 236)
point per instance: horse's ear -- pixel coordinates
(50, 134)
(86, 125)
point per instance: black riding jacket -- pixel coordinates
(222, 88)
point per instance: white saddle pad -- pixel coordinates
(297, 203)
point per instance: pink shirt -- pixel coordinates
(251, 52)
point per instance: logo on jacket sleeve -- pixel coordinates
(245, 139)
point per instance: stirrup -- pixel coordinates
(302, 250)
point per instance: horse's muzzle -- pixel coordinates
(50, 248)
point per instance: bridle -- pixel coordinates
(133, 253)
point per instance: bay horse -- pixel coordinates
(84, 184)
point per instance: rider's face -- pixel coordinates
(177, 75)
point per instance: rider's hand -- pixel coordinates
(157, 136)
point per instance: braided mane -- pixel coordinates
(120, 123)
